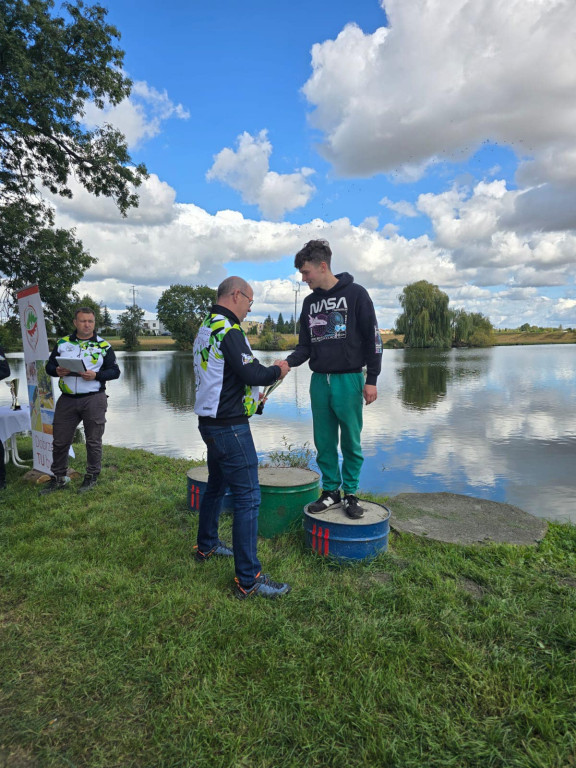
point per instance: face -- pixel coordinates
(314, 275)
(243, 300)
(84, 324)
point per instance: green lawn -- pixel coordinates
(117, 649)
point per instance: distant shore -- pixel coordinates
(501, 339)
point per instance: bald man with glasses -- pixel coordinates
(227, 380)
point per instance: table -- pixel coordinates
(12, 422)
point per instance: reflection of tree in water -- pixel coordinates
(423, 381)
(132, 373)
(179, 387)
(425, 374)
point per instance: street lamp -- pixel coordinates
(296, 288)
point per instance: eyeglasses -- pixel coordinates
(250, 301)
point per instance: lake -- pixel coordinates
(496, 423)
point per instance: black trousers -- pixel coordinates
(2, 465)
(70, 411)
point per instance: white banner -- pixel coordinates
(40, 387)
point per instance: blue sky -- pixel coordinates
(425, 139)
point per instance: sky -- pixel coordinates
(424, 139)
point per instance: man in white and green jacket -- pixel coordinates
(227, 380)
(83, 398)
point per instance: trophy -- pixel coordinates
(14, 392)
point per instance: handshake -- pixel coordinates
(284, 368)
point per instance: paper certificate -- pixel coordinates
(72, 364)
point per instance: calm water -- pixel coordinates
(497, 423)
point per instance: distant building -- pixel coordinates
(153, 327)
(248, 325)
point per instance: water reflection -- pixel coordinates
(132, 373)
(424, 374)
(178, 387)
(423, 378)
(497, 423)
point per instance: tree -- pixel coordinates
(50, 66)
(270, 340)
(471, 329)
(131, 324)
(106, 319)
(482, 334)
(181, 309)
(268, 326)
(425, 321)
(280, 324)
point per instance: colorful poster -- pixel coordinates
(40, 388)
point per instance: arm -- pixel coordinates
(240, 358)
(52, 367)
(372, 346)
(109, 370)
(302, 351)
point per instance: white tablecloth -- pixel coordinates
(13, 421)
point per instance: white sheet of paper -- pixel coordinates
(74, 364)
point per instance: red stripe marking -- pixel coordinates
(326, 537)
(31, 289)
(319, 540)
(314, 537)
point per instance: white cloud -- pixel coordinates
(402, 207)
(156, 204)
(480, 264)
(247, 171)
(445, 76)
(138, 117)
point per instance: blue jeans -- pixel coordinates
(232, 462)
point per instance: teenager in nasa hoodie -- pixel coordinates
(339, 337)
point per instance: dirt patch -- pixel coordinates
(16, 758)
(473, 589)
(381, 578)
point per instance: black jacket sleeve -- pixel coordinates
(52, 363)
(110, 369)
(4, 365)
(302, 351)
(371, 339)
(239, 356)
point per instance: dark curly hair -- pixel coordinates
(315, 251)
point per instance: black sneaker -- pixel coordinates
(55, 484)
(327, 499)
(88, 482)
(263, 586)
(219, 550)
(352, 508)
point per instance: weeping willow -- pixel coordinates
(426, 319)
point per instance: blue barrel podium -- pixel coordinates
(333, 535)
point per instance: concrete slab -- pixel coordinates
(458, 519)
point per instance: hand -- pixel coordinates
(284, 368)
(88, 375)
(370, 393)
(62, 371)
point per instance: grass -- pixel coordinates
(504, 338)
(147, 344)
(116, 649)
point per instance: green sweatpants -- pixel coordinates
(337, 402)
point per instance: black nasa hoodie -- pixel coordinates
(338, 331)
